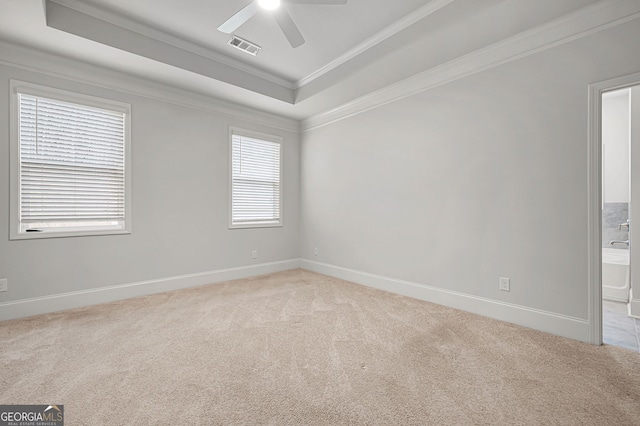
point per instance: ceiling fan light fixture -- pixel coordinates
(269, 4)
(284, 20)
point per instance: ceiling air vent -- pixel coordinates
(244, 45)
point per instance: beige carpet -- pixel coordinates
(298, 348)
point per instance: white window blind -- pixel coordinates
(72, 166)
(255, 181)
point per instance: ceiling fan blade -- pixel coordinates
(289, 28)
(233, 23)
(317, 1)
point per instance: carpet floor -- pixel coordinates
(299, 348)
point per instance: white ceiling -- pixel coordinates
(329, 31)
(350, 50)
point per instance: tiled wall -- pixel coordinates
(613, 215)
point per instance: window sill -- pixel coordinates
(255, 225)
(67, 234)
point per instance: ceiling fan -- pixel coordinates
(284, 20)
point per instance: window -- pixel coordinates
(255, 180)
(69, 164)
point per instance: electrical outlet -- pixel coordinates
(505, 284)
(315, 251)
(4, 285)
(254, 254)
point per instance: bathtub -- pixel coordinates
(615, 274)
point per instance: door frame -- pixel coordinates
(594, 199)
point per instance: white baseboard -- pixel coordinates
(561, 325)
(77, 299)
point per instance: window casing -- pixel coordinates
(256, 180)
(70, 164)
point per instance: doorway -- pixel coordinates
(618, 328)
(614, 191)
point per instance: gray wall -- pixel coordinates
(180, 202)
(459, 185)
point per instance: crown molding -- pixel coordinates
(581, 23)
(41, 62)
(405, 22)
(164, 36)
